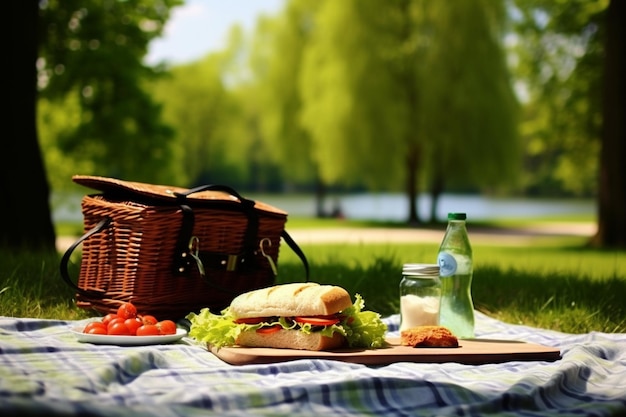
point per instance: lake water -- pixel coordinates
(392, 206)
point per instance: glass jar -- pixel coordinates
(420, 295)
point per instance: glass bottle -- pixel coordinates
(455, 271)
(420, 294)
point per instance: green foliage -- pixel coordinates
(559, 55)
(422, 81)
(468, 107)
(401, 97)
(276, 61)
(216, 113)
(93, 51)
(195, 103)
(353, 105)
(61, 119)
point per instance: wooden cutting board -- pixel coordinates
(473, 351)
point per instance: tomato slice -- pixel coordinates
(253, 320)
(271, 329)
(318, 320)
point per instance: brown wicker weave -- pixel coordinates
(131, 257)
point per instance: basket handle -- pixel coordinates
(294, 247)
(102, 224)
(182, 197)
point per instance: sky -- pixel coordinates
(201, 26)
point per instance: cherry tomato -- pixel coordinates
(148, 319)
(118, 329)
(127, 311)
(97, 330)
(318, 320)
(271, 329)
(148, 330)
(166, 327)
(95, 325)
(133, 325)
(106, 319)
(115, 321)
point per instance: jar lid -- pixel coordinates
(423, 270)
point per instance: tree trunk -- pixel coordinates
(412, 164)
(612, 187)
(320, 197)
(25, 210)
(436, 190)
(407, 77)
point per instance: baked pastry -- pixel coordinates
(428, 336)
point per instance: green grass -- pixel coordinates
(31, 286)
(564, 288)
(554, 283)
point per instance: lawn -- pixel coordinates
(554, 283)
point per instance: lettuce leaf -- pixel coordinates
(362, 329)
(217, 330)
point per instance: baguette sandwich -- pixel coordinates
(305, 316)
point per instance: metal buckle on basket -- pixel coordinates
(194, 248)
(269, 258)
(231, 262)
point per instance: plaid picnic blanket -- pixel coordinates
(44, 370)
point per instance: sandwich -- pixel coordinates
(305, 316)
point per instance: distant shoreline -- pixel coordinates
(506, 236)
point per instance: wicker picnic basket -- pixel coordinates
(171, 250)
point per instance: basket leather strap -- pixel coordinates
(184, 258)
(182, 255)
(101, 225)
(294, 247)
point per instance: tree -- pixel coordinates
(354, 107)
(69, 35)
(196, 105)
(612, 178)
(560, 55)
(408, 93)
(277, 53)
(94, 50)
(472, 116)
(572, 61)
(27, 224)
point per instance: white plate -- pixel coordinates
(101, 339)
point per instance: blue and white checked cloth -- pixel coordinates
(45, 371)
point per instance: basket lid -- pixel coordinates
(165, 193)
